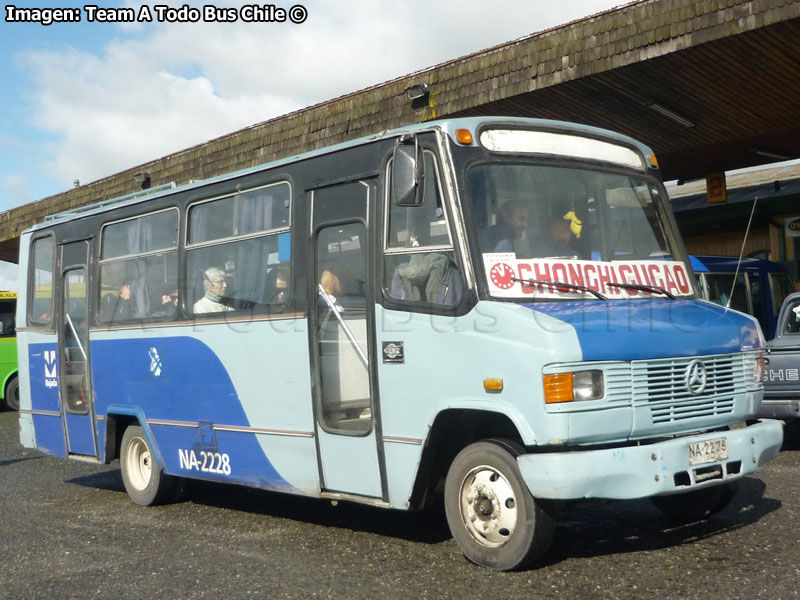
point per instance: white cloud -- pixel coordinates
(9, 276)
(15, 189)
(171, 86)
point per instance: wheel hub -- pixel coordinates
(488, 506)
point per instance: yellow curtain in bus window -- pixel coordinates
(716, 188)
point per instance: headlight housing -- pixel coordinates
(760, 369)
(573, 386)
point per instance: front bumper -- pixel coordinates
(779, 409)
(648, 470)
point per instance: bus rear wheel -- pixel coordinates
(494, 519)
(11, 397)
(144, 481)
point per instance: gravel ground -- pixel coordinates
(68, 530)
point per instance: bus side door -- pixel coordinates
(342, 338)
(73, 350)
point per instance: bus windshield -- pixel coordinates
(604, 231)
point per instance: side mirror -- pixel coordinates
(406, 176)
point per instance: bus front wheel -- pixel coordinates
(494, 519)
(144, 481)
(12, 394)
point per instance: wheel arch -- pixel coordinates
(7, 380)
(118, 419)
(452, 430)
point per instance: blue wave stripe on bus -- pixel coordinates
(180, 379)
(641, 329)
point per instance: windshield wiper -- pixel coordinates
(642, 288)
(558, 284)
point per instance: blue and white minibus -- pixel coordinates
(496, 311)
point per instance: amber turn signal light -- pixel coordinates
(493, 385)
(464, 136)
(558, 388)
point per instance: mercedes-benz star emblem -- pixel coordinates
(696, 377)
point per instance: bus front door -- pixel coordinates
(342, 337)
(73, 351)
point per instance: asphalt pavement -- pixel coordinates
(68, 530)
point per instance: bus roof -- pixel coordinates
(447, 126)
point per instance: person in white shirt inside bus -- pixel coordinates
(215, 285)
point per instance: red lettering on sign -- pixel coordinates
(560, 272)
(642, 276)
(682, 280)
(523, 274)
(605, 275)
(623, 270)
(589, 276)
(542, 273)
(670, 287)
(575, 275)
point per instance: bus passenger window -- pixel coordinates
(41, 300)
(245, 237)
(138, 258)
(253, 271)
(7, 308)
(133, 288)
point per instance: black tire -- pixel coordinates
(696, 505)
(494, 519)
(145, 483)
(11, 398)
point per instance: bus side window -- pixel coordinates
(40, 309)
(245, 237)
(7, 317)
(419, 262)
(138, 266)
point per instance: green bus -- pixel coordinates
(9, 386)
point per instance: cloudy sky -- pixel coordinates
(80, 101)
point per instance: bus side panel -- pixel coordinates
(445, 362)
(8, 362)
(219, 455)
(196, 412)
(268, 362)
(40, 388)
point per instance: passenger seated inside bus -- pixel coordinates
(331, 285)
(166, 304)
(276, 294)
(556, 240)
(117, 307)
(215, 285)
(346, 397)
(430, 278)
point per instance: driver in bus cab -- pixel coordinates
(511, 232)
(215, 285)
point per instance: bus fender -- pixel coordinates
(131, 415)
(452, 427)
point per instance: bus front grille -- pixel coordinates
(661, 385)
